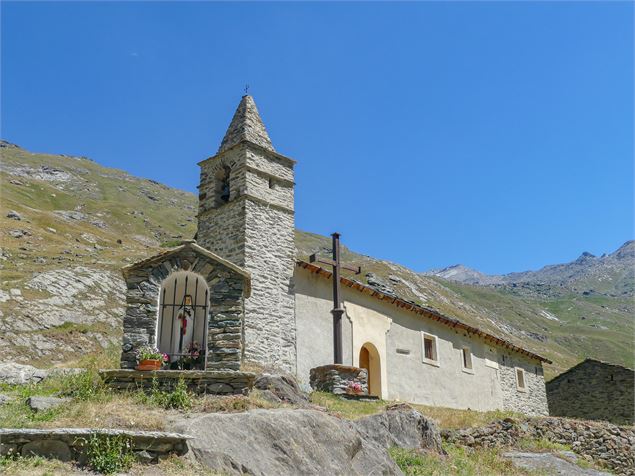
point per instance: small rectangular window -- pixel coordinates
(430, 354)
(520, 380)
(466, 354)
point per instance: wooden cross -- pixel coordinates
(337, 304)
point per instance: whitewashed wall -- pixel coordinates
(405, 376)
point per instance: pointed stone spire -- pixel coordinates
(246, 125)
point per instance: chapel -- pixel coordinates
(237, 293)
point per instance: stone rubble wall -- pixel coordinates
(199, 382)
(68, 444)
(532, 401)
(335, 378)
(605, 444)
(595, 391)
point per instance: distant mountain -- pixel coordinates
(463, 274)
(68, 225)
(610, 274)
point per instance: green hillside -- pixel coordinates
(69, 224)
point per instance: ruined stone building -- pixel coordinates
(245, 296)
(594, 390)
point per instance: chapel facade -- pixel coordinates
(259, 303)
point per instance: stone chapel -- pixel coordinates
(238, 293)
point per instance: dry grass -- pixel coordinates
(116, 411)
(37, 466)
(459, 461)
(447, 418)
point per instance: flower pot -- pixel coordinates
(149, 365)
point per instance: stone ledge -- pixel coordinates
(68, 444)
(217, 382)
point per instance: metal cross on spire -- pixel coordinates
(246, 88)
(337, 310)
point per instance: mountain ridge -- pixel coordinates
(68, 225)
(569, 275)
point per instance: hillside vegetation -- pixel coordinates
(69, 224)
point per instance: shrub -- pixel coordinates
(109, 454)
(179, 398)
(86, 385)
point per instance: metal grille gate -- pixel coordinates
(171, 310)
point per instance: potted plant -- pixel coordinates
(192, 360)
(149, 358)
(354, 388)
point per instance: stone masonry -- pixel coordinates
(533, 400)
(229, 285)
(253, 227)
(605, 444)
(337, 379)
(214, 382)
(594, 390)
(69, 444)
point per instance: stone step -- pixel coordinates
(69, 444)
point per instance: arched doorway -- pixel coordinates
(182, 322)
(369, 360)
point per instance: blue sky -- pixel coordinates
(498, 135)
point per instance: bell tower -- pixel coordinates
(246, 215)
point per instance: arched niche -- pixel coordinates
(182, 319)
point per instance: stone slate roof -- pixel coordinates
(246, 125)
(190, 244)
(420, 310)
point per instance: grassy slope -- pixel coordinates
(123, 204)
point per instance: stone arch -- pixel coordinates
(228, 285)
(182, 319)
(370, 360)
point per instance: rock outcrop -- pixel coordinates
(303, 441)
(401, 426)
(281, 388)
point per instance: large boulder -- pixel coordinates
(402, 426)
(282, 388)
(284, 442)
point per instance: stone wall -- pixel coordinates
(533, 399)
(594, 390)
(605, 444)
(227, 285)
(69, 444)
(336, 378)
(199, 382)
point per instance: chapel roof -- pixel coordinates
(246, 125)
(420, 310)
